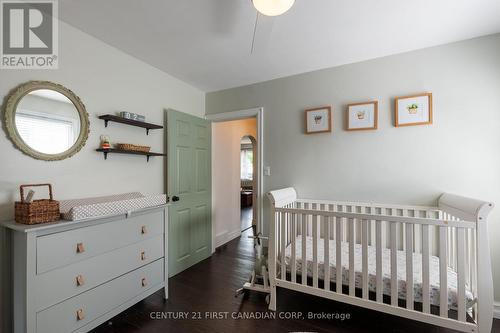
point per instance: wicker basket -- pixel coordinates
(37, 211)
(131, 147)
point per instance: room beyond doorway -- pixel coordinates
(248, 176)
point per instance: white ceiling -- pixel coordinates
(207, 43)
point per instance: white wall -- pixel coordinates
(107, 80)
(226, 139)
(460, 153)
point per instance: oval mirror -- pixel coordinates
(46, 120)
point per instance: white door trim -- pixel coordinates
(243, 114)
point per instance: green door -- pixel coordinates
(189, 189)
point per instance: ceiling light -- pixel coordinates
(273, 7)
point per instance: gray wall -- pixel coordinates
(460, 153)
(107, 80)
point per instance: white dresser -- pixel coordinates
(73, 276)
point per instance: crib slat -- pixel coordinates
(378, 231)
(283, 245)
(417, 236)
(473, 250)
(473, 261)
(352, 282)
(364, 242)
(338, 254)
(467, 257)
(443, 272)
(409, 266)
(461, 273)
(425, 269)
(315, 250)
(371, 227)
(304, 249)
(326, 257)
(294, 248)
(346, 229)
(394, 265)
(404, 212)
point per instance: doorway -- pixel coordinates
(228, 129)
(248, 177)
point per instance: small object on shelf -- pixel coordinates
(29, 197)
(125, 114)
(132, 116)
(132, 147)
(37, 211)
(105, 142)
(130, 152)
(117, 119)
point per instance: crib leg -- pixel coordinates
(272, 302)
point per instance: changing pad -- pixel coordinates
(79, 209)
(386, 270)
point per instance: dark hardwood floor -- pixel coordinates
(206, 291)
(246, 217)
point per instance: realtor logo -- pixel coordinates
(29, 34)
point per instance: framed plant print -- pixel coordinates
(413, 110)
(319, 120)
(362, 116)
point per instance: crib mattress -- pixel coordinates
(80, 209)
(386, 270)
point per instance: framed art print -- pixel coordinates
(362, 116)
(319, 120)
(413, 110)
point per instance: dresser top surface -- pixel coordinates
(66, 223)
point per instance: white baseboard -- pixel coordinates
(496, 310)
(225, 237)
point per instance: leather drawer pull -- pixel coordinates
(80, 281)
(144, 230)
(80, 248)
(80, 315)
(144, 282)
(143, 255)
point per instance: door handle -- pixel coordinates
(175, 198)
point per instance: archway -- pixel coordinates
(249, 181)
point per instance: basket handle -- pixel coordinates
(21, 190)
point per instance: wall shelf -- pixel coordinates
(148, 126)
(129, 152)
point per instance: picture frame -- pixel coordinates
(362, 116)
(318, 120)
(413, 110)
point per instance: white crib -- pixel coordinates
(393, 250)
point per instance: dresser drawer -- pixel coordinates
(65, 282)
(64, 248)
(84, 308)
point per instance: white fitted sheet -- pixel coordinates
(386, 270)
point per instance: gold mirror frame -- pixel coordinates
(9, 108)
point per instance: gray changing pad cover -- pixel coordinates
(79, 209)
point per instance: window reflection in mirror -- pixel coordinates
(47, 121)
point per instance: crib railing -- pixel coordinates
(451, 235)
